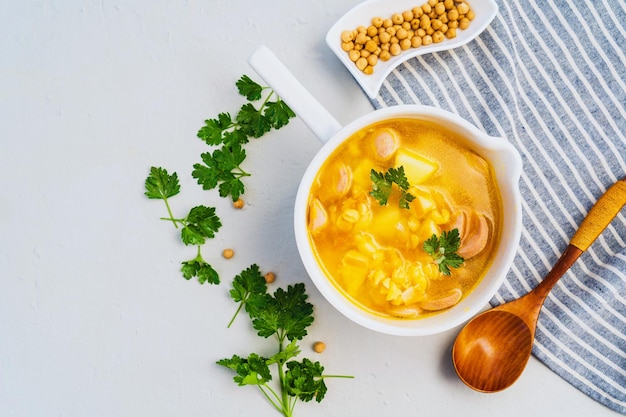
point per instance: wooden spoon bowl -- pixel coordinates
(492, 350)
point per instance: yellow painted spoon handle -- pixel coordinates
(600, 215)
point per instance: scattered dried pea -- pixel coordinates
(319, 347)
(228, 253)
(238, 204)
(432, 22)
(270, 277)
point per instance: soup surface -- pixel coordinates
(375, 253)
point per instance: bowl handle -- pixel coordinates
(283, 82)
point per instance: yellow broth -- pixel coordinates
(373, 253)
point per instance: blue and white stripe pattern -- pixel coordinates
(550, 77)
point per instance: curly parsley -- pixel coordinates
(199, 225)
(286, 315)
(222, 167)
(443, 250)
(382, 185)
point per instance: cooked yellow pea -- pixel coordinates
(397, 18)
(270, 277)
(440, 8)
(361, 63)
(463, 8)
(238, 204)
(347, 36)
(319, 347)
(438, 37)
(361, 38)
(371, 46)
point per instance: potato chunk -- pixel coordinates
(416, 167)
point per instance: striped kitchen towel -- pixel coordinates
(550, 77)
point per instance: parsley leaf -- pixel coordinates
(382, 185)
(199, 268)
(278, 113)
(443, 250)
(248, 88)
(160, 184)
(222, 167)
(201, 223)
(215, 130)
(290, 351)
(249, 290)
(381, 188)
(287, 314)
(252, 370)
(252, 121)
(305, 380)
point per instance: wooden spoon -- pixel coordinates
(491, 351)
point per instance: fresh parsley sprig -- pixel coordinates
(199, 225)
(161, 185)
(286, 315)
(249, 290)
(443, 250)
(382, 185)
(222, 167)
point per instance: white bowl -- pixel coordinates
(502, 156)
(362, 14)
(506, 163)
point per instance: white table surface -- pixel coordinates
(95, 318)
